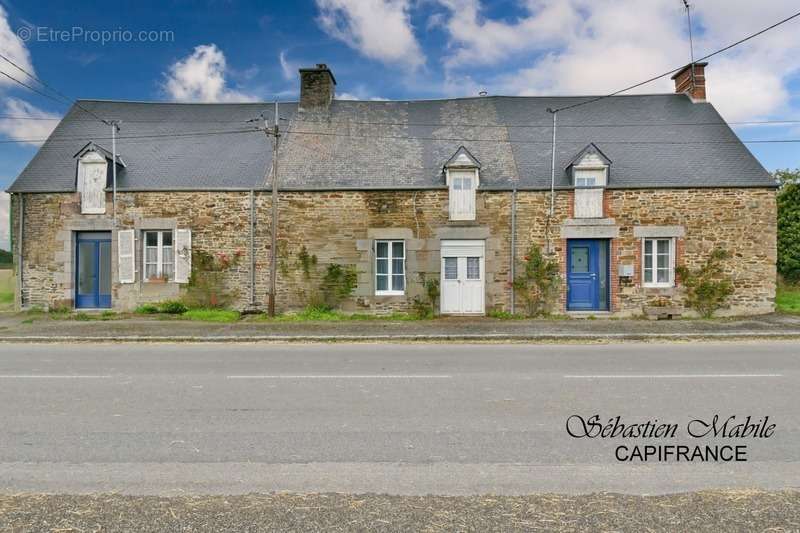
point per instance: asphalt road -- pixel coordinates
(400, 419)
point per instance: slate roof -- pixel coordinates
(401, 144)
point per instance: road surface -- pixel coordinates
(401, 419)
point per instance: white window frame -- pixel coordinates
(159, 254)
(390, 267)
(654, 263)
(461, 176)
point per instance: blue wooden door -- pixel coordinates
(93, 270)
(583, 274)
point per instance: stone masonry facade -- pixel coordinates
(341, 227)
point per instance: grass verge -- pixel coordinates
(211, 315)
(6, 289)
(706, 511)
(314, 314)
(787, 299)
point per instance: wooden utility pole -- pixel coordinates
(275, 133)
(273, 263)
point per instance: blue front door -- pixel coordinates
(587, 272)
(93, 270)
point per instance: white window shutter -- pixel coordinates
(183, 255)
(126, 256)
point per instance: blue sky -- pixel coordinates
(231, 50)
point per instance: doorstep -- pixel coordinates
(589, 314)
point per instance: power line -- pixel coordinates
(396, 137)
(445, 124)
(22, 83)
(712, 54)
(67, 100)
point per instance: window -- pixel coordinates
(462, 194)
(658, 262)
(473, 268)
(390, 271)
(590, 177)
(451, 268)
(159, 257)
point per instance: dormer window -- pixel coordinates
(92, 173)
(462, 174)
(589, 171)
(93, 177)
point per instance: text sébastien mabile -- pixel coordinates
(733, 429)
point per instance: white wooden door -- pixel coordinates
(463, 277)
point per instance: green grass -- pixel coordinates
(211, 315)
(787, 299)
(6, 289)
(504, 315)
(315, 314)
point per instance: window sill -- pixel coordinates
(390, 293)
(658, 285)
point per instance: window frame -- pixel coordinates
(390, 258)
(159, 262)
(462, 176)
(654, 264)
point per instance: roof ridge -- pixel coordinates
(492, 97)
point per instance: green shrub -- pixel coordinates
(146, 309)
(337, 284)
(82, 316)
(426, 307)
(172, 307)
(207, 288)
(789, 226)
(538, 284)
(707, 288)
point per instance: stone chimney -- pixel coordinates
(692, 85)
(317, 87)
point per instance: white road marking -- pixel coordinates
(45, 376)
(669, 376)
(344, 376)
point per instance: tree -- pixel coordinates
(789, 224)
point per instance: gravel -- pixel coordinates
(729, 511)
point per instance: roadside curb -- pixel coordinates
(455, 337)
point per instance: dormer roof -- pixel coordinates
(590, 149)
(91, 146)
(462, 159)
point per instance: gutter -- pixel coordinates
(512, 269)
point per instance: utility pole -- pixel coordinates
(691, 42)
(273, 132)
(114, 129)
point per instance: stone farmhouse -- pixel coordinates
(453, 189)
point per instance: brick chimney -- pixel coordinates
(694, 88)
(317, 87)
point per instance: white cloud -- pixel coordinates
(378, 29)
(201, 77)
(13, 48)
(600, 46)
(5, 234)
(26, 127)
(479, 40)
(288, 68)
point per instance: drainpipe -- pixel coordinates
(19, 248)
(552, 185)
(252, 249)
(512, 269)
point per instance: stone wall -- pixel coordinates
(340, 227)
